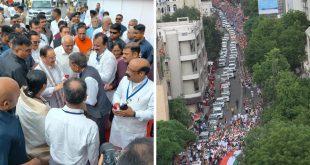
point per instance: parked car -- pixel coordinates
(218, 114)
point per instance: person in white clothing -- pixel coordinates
(73, 138)
(53, 93)
(62, 54)
(102, 59)
(35, 51)
(136, 91)
(35, 26)
(32, 110)
(105, 28)
(131, 24)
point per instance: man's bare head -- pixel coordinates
(9, 93)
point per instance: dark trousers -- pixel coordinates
(101, 123)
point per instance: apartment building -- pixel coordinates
(170, 6)
(183, 58)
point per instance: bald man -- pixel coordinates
(136, 91)
(12, 141)
(62, 54)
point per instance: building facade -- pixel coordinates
(170, 6)
(184, 60)
(301, 5)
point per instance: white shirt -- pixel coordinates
(43, 39)
(106, 66)
(32, 115)
(5, 9)
(87, 19)
(126, 129)
(11, 11)
(57, 77)
(62, 59)
(73, 138)
(98, 30)
(92, 91)
(54, 26)
(36, 55)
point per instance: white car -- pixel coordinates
(218, 114)
(213, 120)
(224, 77)
(225, 93)
(217, 103)
(226, 98)
(232, 67)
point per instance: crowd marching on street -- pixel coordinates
(218, 140)
(76, 89)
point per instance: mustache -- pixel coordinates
(126, 74)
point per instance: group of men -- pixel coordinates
(84, 81)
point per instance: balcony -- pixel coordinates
(189, 57)
(193, 95)
(195, 75)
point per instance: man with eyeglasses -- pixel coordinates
(14, 65)
(119, 19)
(137, 93)
(115, 36)
(53, 92)
(35, 51)
(62, 54)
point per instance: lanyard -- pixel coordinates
(128, 97)
(74, 113)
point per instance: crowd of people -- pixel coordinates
(225, 137)
(228, 135)
(73, 84)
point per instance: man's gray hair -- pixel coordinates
(79, 59)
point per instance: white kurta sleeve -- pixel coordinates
(48, 92)
(107, 71)
(92, 91)
(148, 113)
(117, 97)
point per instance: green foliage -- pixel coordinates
(192, 13)
(172, 137)
(178, 111)
(274, 63)
(212, 37)
(250, 7)
(278, 143)
(286, 34)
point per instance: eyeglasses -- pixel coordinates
(113, 32)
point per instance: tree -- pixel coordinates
(277, 143)
(250, 7)
(192, 13)
(274, 63)
(172, 137)
(178, 111)
(212, 37)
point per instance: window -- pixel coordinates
(168, 8)
(192, 45)
(162, 10)
(194, 65)
(174, 7)
(196, 85)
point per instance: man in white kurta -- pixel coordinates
(102, 59)
(137, 91)
(62, 54)
(53, 92)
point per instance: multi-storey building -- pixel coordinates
(184, 58)
(170, 6)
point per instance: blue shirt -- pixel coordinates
(12, 143)
(146, 50)
(90, 31)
